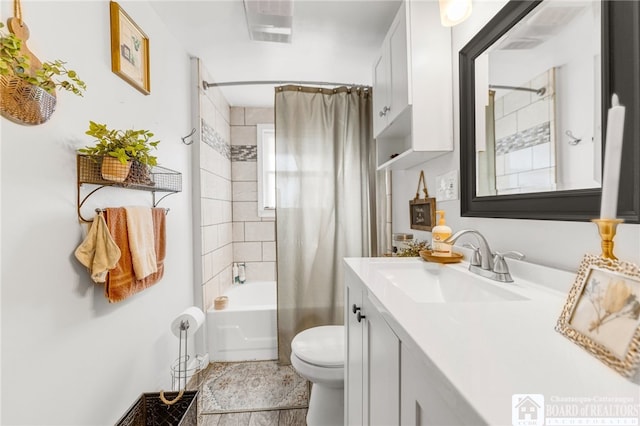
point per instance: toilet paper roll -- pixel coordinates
(193, 315)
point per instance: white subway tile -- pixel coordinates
(499, 164)
(210, 290)
(227, 212)
(225, 234)
(258, 116)
(209, 238)
(538, 180)
(533, 115)
(243, 135)
(515, 100)
(541, 155)
(260, 271)
(245, 211)
(506, 126)
(498, 109)
(517, 161)
(259, 231)
(237, 116)
(244, 171)
(269, 251)
(247, 252)
(222, 257)
(507, 182)
(245, 191)
(238, 232)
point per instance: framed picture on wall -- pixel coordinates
(422, 213)
(602, 312)
(129, 50)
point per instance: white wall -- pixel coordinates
(68, 356)
(552, 243)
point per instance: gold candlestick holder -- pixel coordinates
(607, 231)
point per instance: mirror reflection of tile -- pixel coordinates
(525, 138)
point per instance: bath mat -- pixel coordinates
(230, 387)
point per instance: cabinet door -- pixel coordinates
(398, 66)
(353, 361)
(382, 369)
(427, 396)
(380, 90)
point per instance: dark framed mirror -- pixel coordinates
(619, 67)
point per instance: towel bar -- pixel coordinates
(166, 210)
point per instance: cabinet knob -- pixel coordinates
(354, 308)
(360, 317)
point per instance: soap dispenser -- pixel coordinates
(440, 233)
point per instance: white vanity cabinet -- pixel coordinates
(412, 88)
(372, 385)
(388, 380)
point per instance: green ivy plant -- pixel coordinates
(125, 145)
(52, 75)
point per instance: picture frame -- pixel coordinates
(602, 312)
(129, 50)
(422, 213)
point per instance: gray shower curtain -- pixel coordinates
(325, 179)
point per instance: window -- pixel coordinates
(266, 170)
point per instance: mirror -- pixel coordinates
(535, 86)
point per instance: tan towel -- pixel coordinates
(121, 282)
(98, 252)
(141, 241)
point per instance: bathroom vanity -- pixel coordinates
(432, 344)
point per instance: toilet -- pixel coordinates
(317, 354)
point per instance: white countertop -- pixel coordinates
(490, 351)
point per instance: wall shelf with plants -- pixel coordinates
(123, 159)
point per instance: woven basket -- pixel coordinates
(25, 103)
(140, 174)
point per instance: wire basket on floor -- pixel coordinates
(149, 410)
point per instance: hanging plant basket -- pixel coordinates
(25, 103)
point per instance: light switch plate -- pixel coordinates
(447, 186)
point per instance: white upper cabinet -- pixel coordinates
(412, 88)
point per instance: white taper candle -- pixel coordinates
(612, 157)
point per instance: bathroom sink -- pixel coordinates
(433, 283)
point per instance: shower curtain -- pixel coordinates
(325, 180)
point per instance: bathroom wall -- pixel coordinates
(254, 237)
(215, 191)
(552, 243)
(68, 356)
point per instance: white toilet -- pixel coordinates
(317, 354)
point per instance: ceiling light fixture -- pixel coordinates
(453, 12)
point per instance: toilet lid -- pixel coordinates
(322, 346)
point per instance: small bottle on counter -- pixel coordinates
(241, 273)
(236, 273)
(440, 233)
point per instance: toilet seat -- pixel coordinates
(322, 346)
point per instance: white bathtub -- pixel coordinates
(246, 329)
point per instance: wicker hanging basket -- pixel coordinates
(25, 103)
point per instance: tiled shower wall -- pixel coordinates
(215, 193)
(254, 238)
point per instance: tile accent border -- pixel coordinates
(530, 137)
(244, 153)
(215, 140)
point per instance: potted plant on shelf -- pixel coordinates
(28, 86)
(124, 154)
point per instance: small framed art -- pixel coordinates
(129, 50)
(602, 312)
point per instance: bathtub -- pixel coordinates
(246, 329)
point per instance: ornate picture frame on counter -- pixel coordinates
(602, 311)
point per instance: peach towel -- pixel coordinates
(141, 241)
(98, 252)
(121, 281)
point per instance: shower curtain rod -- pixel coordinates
(539, 91)
(206, 85)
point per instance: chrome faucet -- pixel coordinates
(483, 261)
